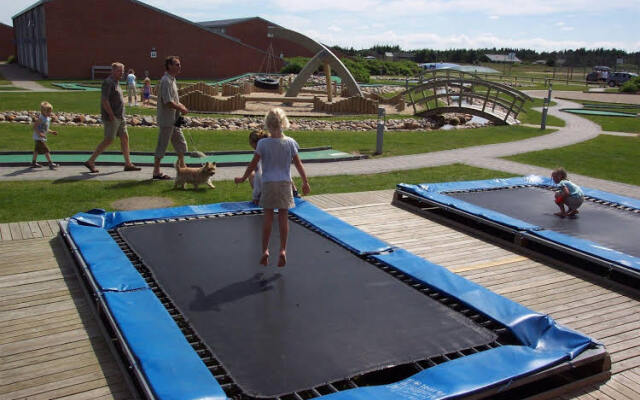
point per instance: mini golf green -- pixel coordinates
(222, 159)
(598, 112)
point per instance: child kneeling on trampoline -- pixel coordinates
(275, 153)
(569, 194)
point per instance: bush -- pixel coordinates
(358, 70)
(631, 86)
(11, 59)
(291, 68)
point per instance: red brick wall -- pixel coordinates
(254, 32)
(126, 31)
(7, 45)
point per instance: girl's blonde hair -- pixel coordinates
(46, 106)
(256, 135)
(276, 119)
(147, 80)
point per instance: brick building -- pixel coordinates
(63, 39)
(7, 44)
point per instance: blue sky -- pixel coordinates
(438, 24)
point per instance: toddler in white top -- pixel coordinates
(40, 131)
(276, 154)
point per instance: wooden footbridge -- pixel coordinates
(450, 91)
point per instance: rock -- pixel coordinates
(62, 118)
(78, 119)
(2, 117)
(22, 118)
(147, 120)
(135, 121)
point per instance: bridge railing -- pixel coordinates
(460, 91)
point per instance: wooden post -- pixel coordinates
(327, 74)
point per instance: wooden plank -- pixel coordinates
(16, 232)
(5, 232)
(26, 231)
(35, 229)
(45, 229)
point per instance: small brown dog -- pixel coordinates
(195, 176)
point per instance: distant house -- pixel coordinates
(369, 58)
(388, 56)
(540, 62)
(503, 58)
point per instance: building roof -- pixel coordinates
(31, 7)
(502, 58)
(233, 21)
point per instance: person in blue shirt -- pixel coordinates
(569, 194)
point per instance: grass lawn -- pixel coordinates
(606, 157)
(614, 124)
(530, 116)
(36, 200)
(15, 137)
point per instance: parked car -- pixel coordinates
(618, 78)
(600, 73)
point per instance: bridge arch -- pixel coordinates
(445, 90)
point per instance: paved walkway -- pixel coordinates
(24, 78)
(577, 130)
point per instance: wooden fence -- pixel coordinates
(198, 101)
(355, 104)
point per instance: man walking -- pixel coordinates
(169, 108)
(112, 110)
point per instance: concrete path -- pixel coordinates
(577, 130)
(591, 96)
(23, 78)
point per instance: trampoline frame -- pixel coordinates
(609, 263)
(548, 348)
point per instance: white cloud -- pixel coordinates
(494, 17)
(567, 28)
(334, 28)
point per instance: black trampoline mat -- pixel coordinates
(608, 226)
(326, 316)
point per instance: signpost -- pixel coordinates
(545, 108)
(382, 116)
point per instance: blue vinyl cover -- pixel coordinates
(340, 231)
(174, 370)
(592, 248)
(433, 191)
(111, 269)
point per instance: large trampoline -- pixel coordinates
(606, 231)
(350, 317)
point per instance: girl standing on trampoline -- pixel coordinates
(569, 194)
(276, 153)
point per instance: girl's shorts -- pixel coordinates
(276, 195)
(41, 147)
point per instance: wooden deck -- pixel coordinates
(50, 346)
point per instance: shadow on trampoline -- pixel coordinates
(233, 292)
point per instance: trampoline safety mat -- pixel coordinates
(327, 316)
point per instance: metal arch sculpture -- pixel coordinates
(457, 91)
(323, 55)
